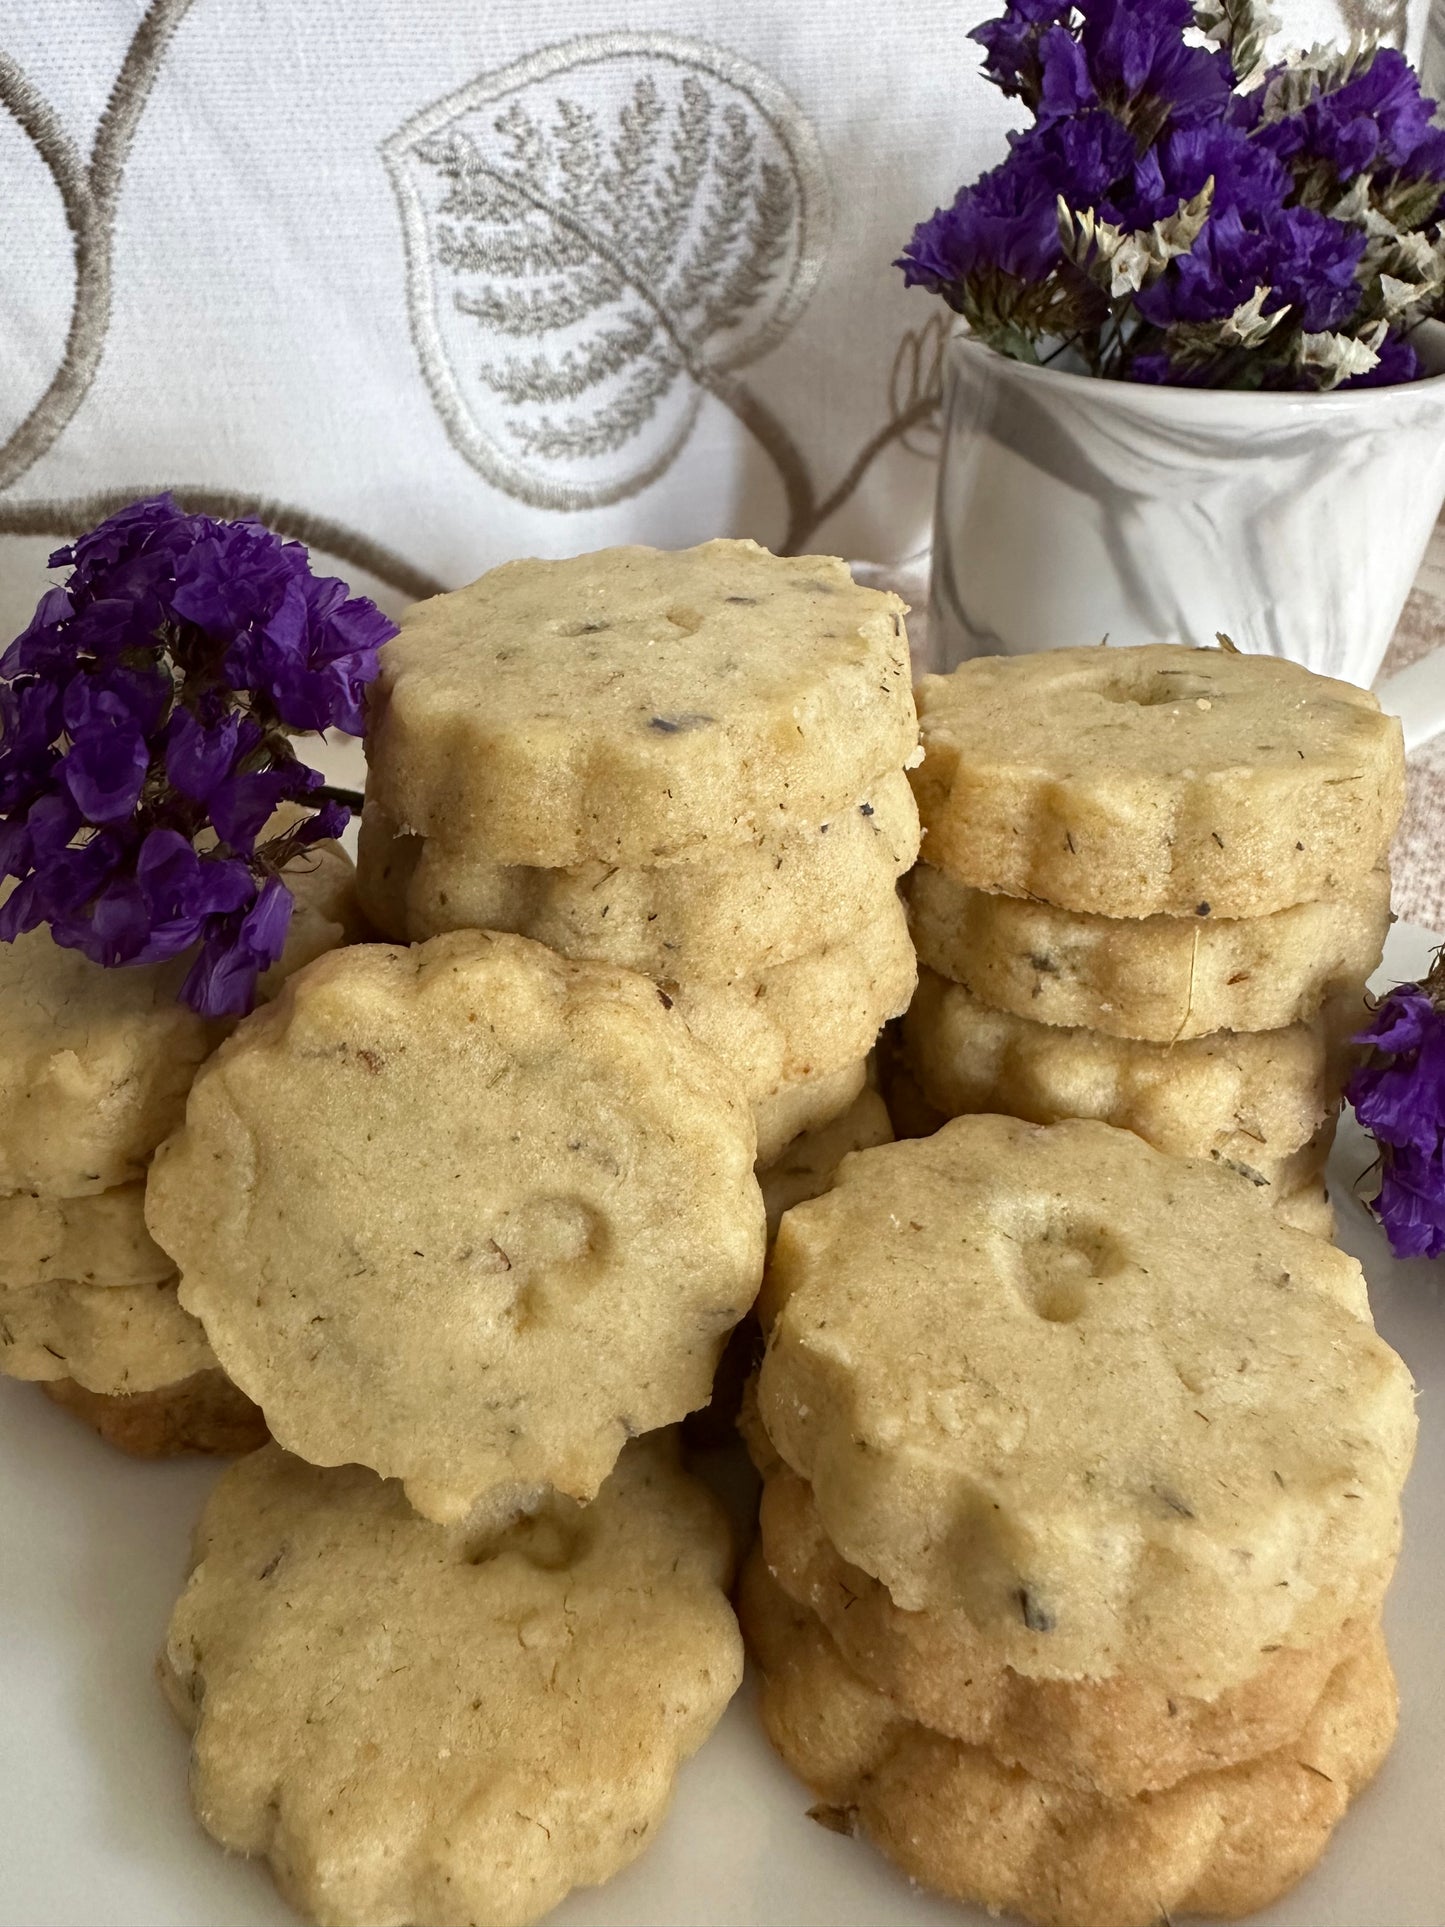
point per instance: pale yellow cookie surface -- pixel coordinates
(414, 1724)
(1160, 979)
(1118, 1736)
(99, 1240)
(951, 1816)
(805, 1168)
(108, 1338)
(1248, 1099)
(739, 909)
(1159, 780)
(809, 1105)
(1098, 1399)
(808, 1019)
(510, 1197)
(639, 704)
(95, 1064)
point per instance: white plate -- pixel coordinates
(95, 1826)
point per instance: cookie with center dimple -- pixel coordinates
(1248, 1099)
(1155, 781)
(952, 1816)
(1116, 1736)
(468, 1213)
(420, 1724)
(95, 1064)
(99, 1240)
(1098, 1399)
(108, 1338)
(741, 908)
(638, 704)
(1160, 979)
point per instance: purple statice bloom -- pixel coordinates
(1399, 1096)
(1011, 43)
(1379, 119)
(1009, 220)
(238, 948)
(1137, 53)
(1398, 362)
(1306, 260)
(144, 748)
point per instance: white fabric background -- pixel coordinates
(258, 340)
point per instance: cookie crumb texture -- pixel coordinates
(414, 1723)
(737, 909)
(509, 1196)
(958, 1820)
(638, 704)
(1226, 1433)
(1155, 781)
(201, 1414)
(109, 1338)
(1162, 980)
(95, 1064)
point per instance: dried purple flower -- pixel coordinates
(1221, 222)
(144, 746)
(1398, 1093)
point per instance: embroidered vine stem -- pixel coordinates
(88, 195)
(806, 514)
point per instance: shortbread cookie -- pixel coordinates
(416, 1724)
(95, 1064)
(108, 1338)
(1248, 1099)
(805, 1106)
(637, 705)
(468, 1214)
(806, 1167)
(742, 908)
(1117, 1736)
(955, 1818)
(1161, 979)
(100, 1240)
(1307, 1208)
(1156, 781)
(1098, 1399)
(809, 1018)
(204, 1413)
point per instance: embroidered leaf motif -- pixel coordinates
(599, 236)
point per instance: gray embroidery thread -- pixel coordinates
(649, 248)
(88, 193)
(645, 256)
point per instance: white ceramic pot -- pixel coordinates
(1071, 509)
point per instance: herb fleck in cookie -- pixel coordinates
(955, 1818)
(738, 909)
(1252, 1100)
(1115, 1735)
(637, 704)
(469, 1214)
(1098, 1399)
(99, 1240)
(108, 1338)
(421, 1724)
(95, 1064)
(1161, 979)
(1155, 781)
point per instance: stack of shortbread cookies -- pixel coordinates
(689, 765)
(95, 1066)
(1154, 883)
(1082, 1479)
